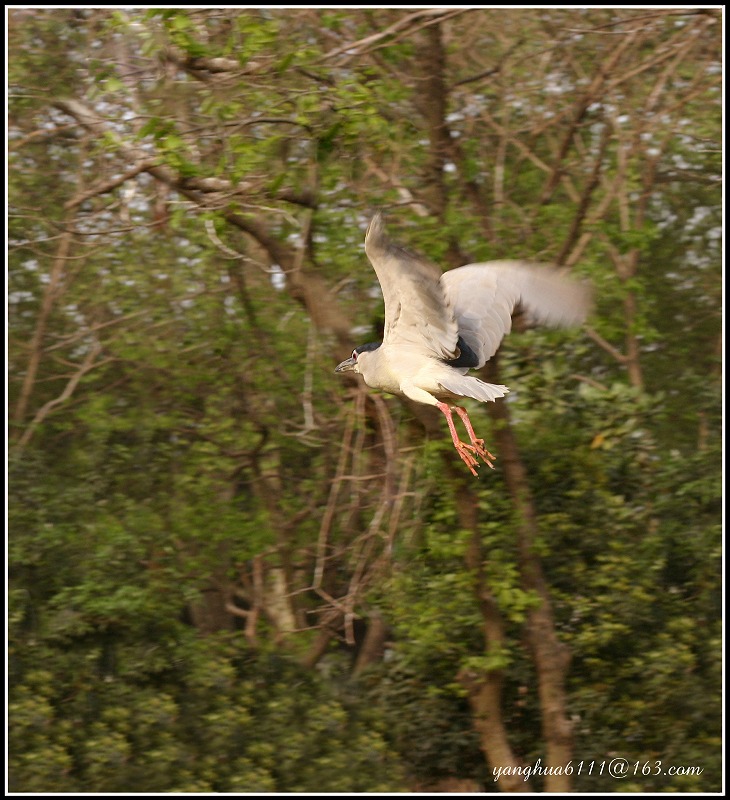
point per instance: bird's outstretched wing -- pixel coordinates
(417, 311)
(483, 297)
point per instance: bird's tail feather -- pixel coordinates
(467, 386)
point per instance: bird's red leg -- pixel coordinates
(463, 449)
(478, 444)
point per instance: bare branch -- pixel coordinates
(67, 340)
(107, 186)
(589, 96)
(607, 346)
(432, 15)
(86, 365)
(305, 287)
(50, 294)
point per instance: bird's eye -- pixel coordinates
(354, 355)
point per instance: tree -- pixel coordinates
(177, 292)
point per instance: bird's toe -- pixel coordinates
(483, 453)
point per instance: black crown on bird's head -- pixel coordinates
(364, 348)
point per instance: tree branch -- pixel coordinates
(86, 366)
(306, 288)
(431, 15)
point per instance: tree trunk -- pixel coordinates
(551, 657)
(485, 699)
(373, 645)
(484, 690)
(51, 294)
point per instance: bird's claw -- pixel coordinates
(483, 453)
(469, 453)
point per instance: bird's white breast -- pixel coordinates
(396, 362)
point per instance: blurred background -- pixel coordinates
(230, 570)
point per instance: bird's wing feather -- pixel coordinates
(416, 308)
(483, 297)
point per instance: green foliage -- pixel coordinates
(207, 440)
(428, 729)
(635, 570)
(213, 717)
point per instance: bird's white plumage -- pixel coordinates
(427, 312)
(482, 298)
(431, 310)
(433, 320)
(416, 310)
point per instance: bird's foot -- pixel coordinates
(470, 453)
(477, 445)
(483, 453)
(465, 451)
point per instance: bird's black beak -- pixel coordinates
(346, 366)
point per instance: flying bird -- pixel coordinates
(439, 325)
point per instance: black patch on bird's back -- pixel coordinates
(364, 348)
(466, 358)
